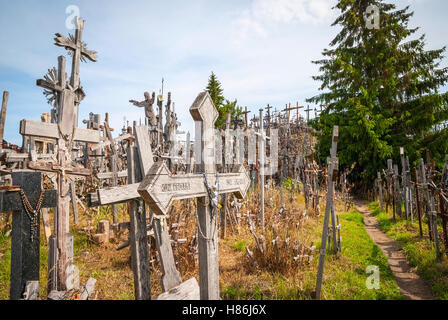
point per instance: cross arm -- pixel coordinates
(11, 200)
(48, 85)
(68, 44)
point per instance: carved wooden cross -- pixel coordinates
(25, 257)
(79, 52)
(159, 189)
(65, 133)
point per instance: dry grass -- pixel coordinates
(277, 274)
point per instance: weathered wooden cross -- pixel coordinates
(25, 241)
(65, 133)
(78, 50)
(333, 164)
(159, 188)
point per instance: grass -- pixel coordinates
(345, 274)
(419, 250)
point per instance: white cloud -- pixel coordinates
(264, 14)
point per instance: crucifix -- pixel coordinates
(79, 52)
(147, 104)
(307, 110)
(25, 198)
(65, 133)
(159, 189)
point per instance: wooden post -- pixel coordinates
(3, 116)
(426, 194)
(138, 234)
(332, 166)
(380, 189)
(261, 155)
(417, 200)
(205, 114)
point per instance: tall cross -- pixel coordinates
(65, 133)
(268, 108)
(3, 117)
(246, 112)
(289, 109)
(307, 110)
(159, 189)
(79, 52)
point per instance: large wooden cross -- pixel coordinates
(159, 189)
(65, 133)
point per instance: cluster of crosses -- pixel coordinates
(421, 199)
(146, 167)
(149, 184)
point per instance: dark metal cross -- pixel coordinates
(24, 252)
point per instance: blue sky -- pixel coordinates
(261, 51)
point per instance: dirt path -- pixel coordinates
(411, 285)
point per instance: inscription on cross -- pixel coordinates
(159, 189)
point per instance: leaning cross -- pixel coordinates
(159, 189)
(329, 208)
(25, 246)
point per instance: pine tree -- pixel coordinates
(215, 91)
(382, 89)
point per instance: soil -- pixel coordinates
(411, 285)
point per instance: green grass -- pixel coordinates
(419, 251)
(345, 273)
(5, 265)
(239, 245)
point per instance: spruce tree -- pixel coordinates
(382, 88)
(224, 106)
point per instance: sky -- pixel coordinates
(260, 50)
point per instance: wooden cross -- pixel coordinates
(268, 108)
(78, 50)
(25, 256)
(307, 110)
(65, 133)
(246, 112)
(329, 209)
(289, 109)
(159, 189)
